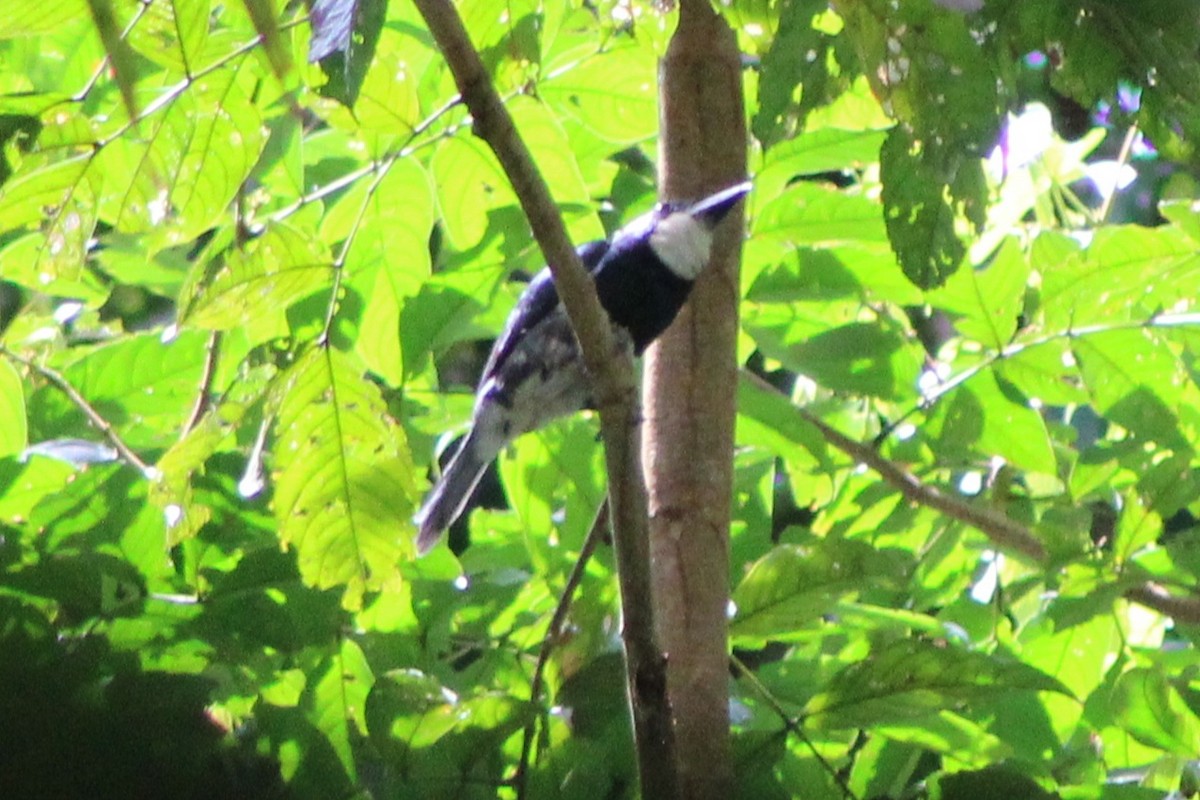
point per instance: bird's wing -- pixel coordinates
(538, 300)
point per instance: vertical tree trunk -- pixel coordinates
(689, 402)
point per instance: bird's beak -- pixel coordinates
(713, 208)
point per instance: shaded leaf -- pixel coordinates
(266, 22)
(788, 590)
(910, 678)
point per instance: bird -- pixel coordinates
(535, 371)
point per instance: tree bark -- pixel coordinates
(691, 375)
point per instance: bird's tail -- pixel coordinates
(449, 496)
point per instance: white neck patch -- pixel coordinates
(683, 243)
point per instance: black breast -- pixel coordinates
(639, 292)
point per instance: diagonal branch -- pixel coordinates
(1005, 533)
(611, 371)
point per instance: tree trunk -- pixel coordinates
(689, 402)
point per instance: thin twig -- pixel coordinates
(353, 176)
(791, 724)
(59, 382)
(554, 634)
(212, 352)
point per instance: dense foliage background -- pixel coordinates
(244, 298)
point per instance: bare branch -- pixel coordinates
(1003, 532)
(611, 371)
(1181, 609)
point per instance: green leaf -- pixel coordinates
(406, 710)
(982, 419)
(387, 98)
(923, 189)
(344, 488)
(551, 149)
(986, 303)
(796, 58)
(768, 418)
(1127, 273)
(31, 19)
(337, 699)
(173, 33)
(997, 782)
(787, 591)
(612, 93)
(179, 177)
(14, 433)
(908, 679)
(815, 152)
(860, 357)
(809, 214)
(469, 183)
(388, 259)
(441, 739)
(140, 384)
(959, 740)
(277, 269)
(172, 491)
(1152, 710)
(1114, 365)
(24, 485)
(40, 185)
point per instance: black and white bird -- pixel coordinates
(535, 372)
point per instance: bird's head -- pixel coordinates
(681, 233)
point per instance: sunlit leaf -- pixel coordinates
(344, 487)
(469, 183)
(612, 93)
(27, 19)
(272, 272)
(173, 33)
(1151, 708)
(13, 430)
